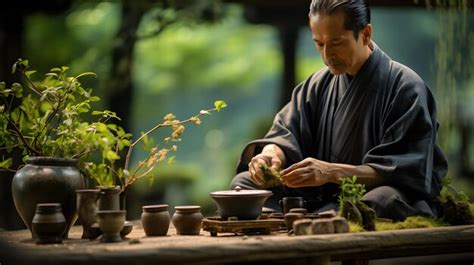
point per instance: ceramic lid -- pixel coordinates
(155, 208)
(239, 192)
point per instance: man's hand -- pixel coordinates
(272, 156)
(308, 172)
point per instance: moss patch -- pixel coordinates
(355, 227)
(410, 222)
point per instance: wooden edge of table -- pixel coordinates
(206, 250)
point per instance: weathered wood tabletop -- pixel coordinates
(18, 247)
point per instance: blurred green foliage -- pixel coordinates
(179, 70)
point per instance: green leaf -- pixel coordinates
(96, 112)
(220, 104)
(6, 163)
(2, 86)
(17, 90)
(111, 156)
(52, 74)
(29, 73)
(94, 99)
(126, 173)
(86, 73)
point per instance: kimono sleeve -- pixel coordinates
(405, 155)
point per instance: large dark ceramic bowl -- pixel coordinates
(243, 204)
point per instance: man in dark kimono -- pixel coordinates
(364, 114)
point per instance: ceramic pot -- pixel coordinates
(111, 223)
(243, 204)
(47, 180)
(289, 203)
(49, 223)
(127, 229)
(87, 209)
(187, 220)
(290, 218)
(109, 198)
(155, 219)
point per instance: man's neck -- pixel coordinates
(365, 56)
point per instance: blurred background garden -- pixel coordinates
(158, 57)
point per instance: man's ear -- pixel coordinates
(367, 34)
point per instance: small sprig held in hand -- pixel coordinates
(271, 176)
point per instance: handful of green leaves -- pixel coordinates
(271, 176)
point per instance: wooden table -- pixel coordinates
(278, 248)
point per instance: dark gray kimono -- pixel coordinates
(384, 117)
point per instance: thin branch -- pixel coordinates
(157, 31)
(130, 149)
(8, 147)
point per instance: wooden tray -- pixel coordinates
(216, 225)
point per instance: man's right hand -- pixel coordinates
(272, 156)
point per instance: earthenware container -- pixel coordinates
(290, 218)
(298, 210)
(155, 219)
(109, 198)
(87, 209)
(48, 223)
(187, 219)
(243, 204)
(288, 203)
(111, 223)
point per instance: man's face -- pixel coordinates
(339, 49)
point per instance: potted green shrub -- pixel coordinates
(46, 122)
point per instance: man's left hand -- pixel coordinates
(307, 173)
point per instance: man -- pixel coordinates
(364, 114)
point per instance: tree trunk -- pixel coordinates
(288, 37)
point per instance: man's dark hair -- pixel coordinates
(356, 12)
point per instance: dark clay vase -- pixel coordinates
(49, 223)
(109, 198)
(87, 209)
(187, 220)
(47, 180)
(155, 219)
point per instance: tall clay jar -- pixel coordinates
(47, 180)
(109, 198)
(187, 220)
(49, 223)
(155, 219)
(87, 210)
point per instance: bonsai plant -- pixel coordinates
(351, 206)
(46, 123)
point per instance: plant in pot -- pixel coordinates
(112, 177)
(46, 123)
(108, 173)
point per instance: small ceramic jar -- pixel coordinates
(187, 220)
(48, 223)
(290, 218)
(155, 219)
